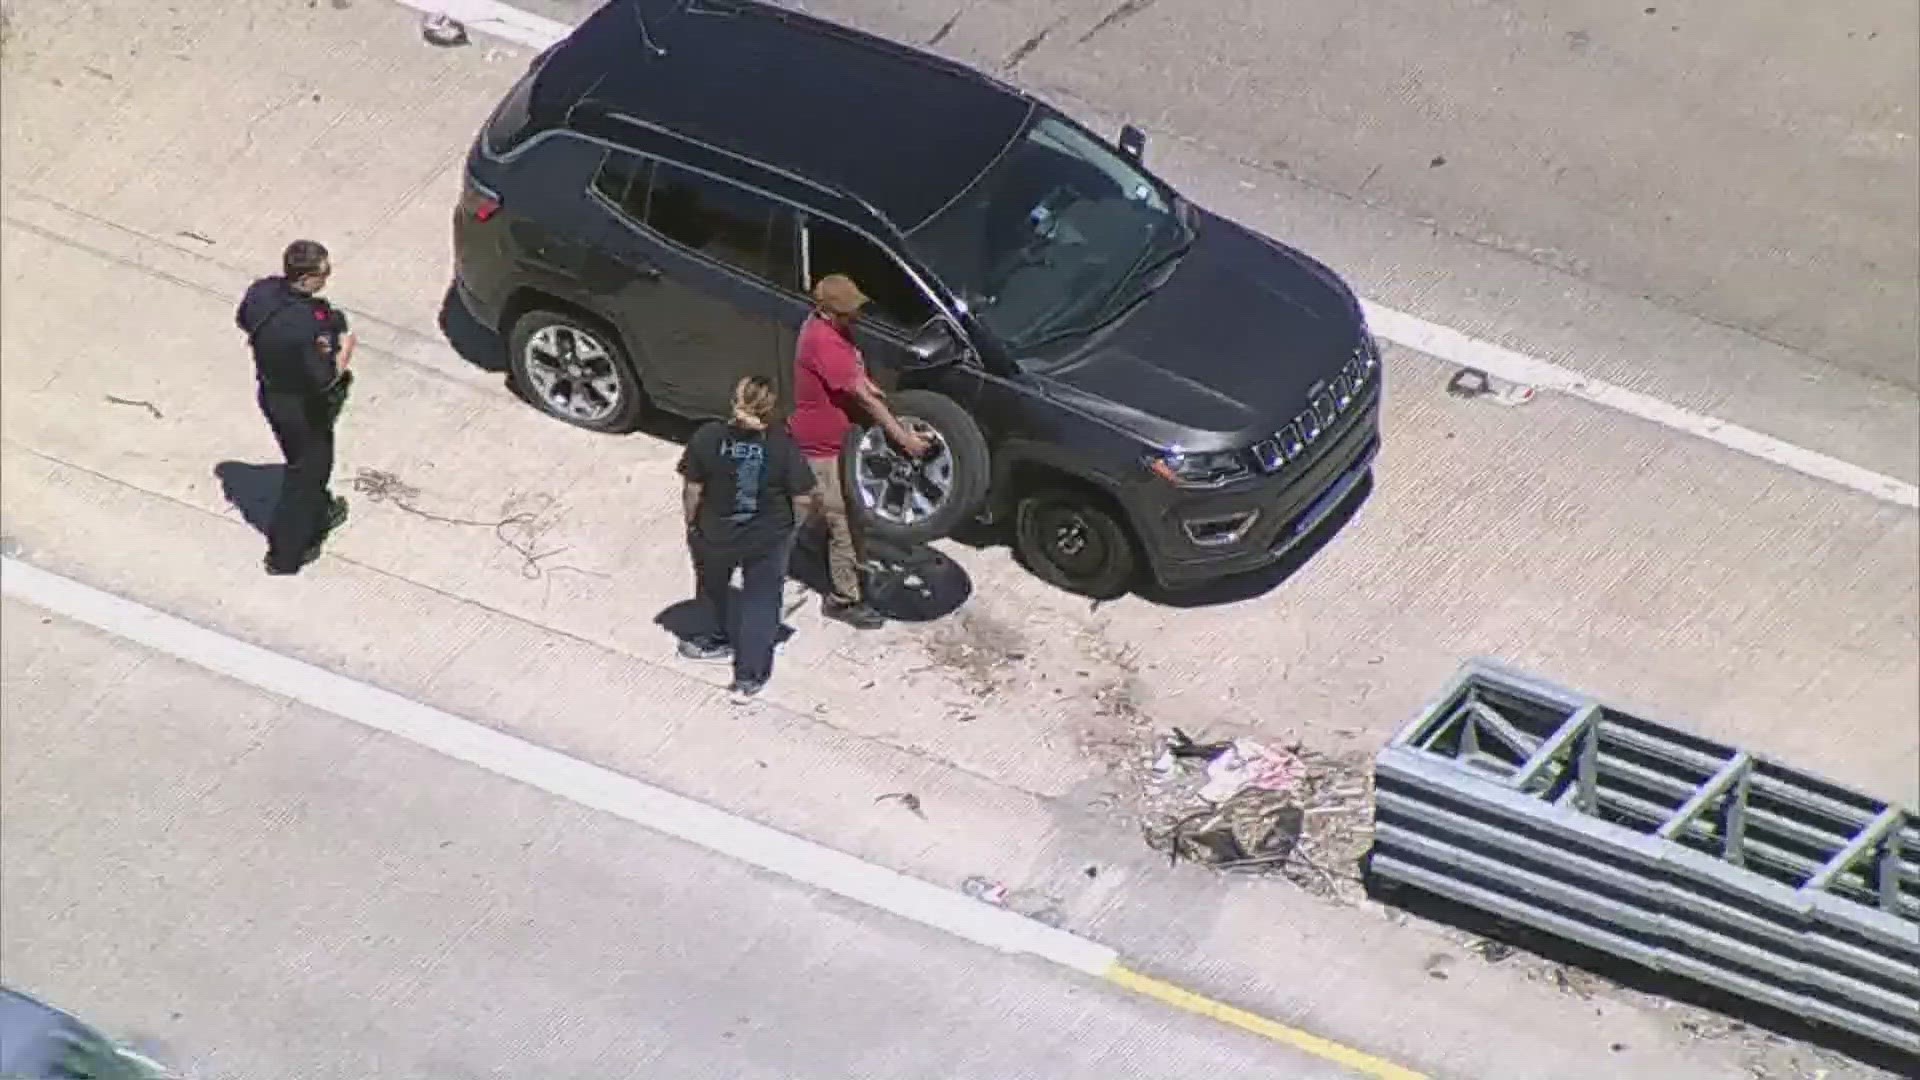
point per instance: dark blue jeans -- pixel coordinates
(752, 625)
(303, 426)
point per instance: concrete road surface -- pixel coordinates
(273, 892)
(528, 575)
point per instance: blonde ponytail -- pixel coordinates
(753, 402)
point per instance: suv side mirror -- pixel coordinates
(1133, 142)
(934, 345)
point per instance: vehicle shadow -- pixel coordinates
(1232, 590)
(1501, 938)
(471, 338)
(250, 489)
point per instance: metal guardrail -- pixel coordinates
(1545, 807)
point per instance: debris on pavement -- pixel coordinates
(443, 30)
(1247, 764)
(1243, 805)
(1473, 383)
(138, 404)
(906, 799)
(525, 521)
(1492, 951)
(985, 890)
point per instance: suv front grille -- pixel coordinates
(1327, 402)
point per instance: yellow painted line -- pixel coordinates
(1358, 1061)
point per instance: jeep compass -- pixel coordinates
(1135, 385)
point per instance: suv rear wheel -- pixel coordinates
(574, 369)
(909, 501)
(1075, 542)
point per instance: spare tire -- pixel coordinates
(903, 500)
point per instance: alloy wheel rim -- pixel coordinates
(897, 489)
(574, 373)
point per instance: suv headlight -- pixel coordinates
(1210, 469)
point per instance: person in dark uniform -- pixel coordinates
(301, 349)
(746, 488)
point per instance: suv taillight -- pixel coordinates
(479, 203)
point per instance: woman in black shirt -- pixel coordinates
(746, 488)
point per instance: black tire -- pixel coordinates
(606, 396)
(1076, 541)
(881, 483)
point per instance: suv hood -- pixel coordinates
(1224, 352)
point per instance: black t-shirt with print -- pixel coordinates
(748, 480)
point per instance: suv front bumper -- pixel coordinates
(1192, 537)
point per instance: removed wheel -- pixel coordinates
(1073, 541)
(575, 370)
(908, 501)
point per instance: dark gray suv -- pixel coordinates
(1133, 383)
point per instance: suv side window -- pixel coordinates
(622, 181)
(897, 300)
(749, 232)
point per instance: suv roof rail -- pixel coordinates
(823, 187)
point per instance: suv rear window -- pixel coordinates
(512, 122)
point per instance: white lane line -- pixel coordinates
(557, 774)
(498, 20)
(1408, 331)
(1454, 347)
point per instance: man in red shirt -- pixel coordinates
(829, 383)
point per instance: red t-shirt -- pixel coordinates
(827, 366)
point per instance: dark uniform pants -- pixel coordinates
(303, 426)
(751, 626)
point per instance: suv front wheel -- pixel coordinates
(1074, 542)
(574, 369)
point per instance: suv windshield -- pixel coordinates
(1054, 238)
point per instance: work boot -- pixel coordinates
(276, 570)
(859, 614)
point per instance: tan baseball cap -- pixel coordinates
(838, 295)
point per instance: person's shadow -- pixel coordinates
(910, 585)
(251, 489)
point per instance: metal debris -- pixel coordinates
(1473, 383)
(443, 30)
(905, 798)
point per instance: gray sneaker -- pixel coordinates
(744, 690)
(708, 649)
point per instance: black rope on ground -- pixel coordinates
(381, 486)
